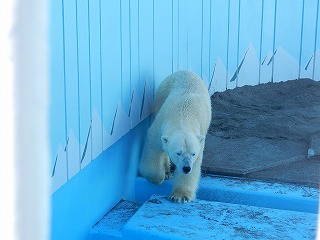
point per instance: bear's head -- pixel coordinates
(183, 149)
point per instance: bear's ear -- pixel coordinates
(164, 139)
(201, 138)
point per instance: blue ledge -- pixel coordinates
(242, 191)
(160, 219)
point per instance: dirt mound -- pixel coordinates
(285, 110)
(265, 131)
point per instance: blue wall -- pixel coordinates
(85, 198)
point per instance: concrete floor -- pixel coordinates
(251, 158)
(264, 132)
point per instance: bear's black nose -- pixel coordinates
(186, 169)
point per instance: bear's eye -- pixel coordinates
(193, 154)
(178, 153)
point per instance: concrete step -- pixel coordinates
(111, 225)
(160, 219)
(227, 208)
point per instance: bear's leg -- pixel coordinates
(167, 167)
(185, 185)
(152, 166)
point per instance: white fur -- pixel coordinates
(182, 118)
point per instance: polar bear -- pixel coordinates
(182, 111)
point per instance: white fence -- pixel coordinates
(108, 57)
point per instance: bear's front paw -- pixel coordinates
(179, 198)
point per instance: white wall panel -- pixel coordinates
(146, 54)
(307, 38)
(219, 45)
(71, 86)
(95, 31)
(84, 83)
(109, 57)
(233, 40)
(162, 40)
(316, 60)
(111, 64)
(135, 105)
(267, 47)
(287, 40)
(125, 41)
(57, 118)
(194, 20)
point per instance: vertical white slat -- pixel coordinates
(59, 173)
(175, 35)
(316, 61)
(308, 38)
(249, 43)
(57, 118)
(125, 59)
(261, 39)
(267, 41)
(233, 27)
(84, 82)
(122, 122)
(183, 35)
(71, 84)
(205, 45)
(288, 24)
(135, 101)
(111, 65)
(96, 77)
(162, 40)
(194, 15)
(219, 45)
(146, 58)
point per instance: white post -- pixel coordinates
(24, 95)
(7, 201)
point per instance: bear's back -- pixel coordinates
(185, 82)
(179, 84)
(183, 94)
